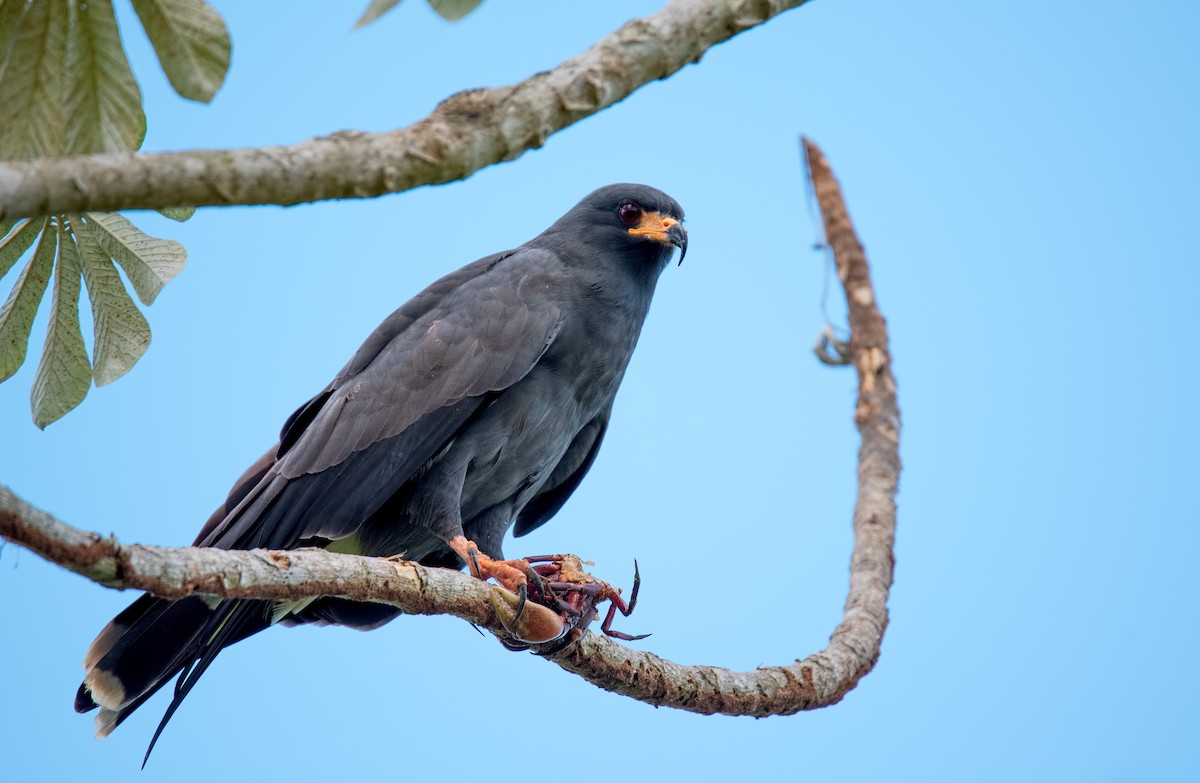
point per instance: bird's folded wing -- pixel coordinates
(565, 477)
(412, 386)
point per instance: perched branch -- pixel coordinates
(465, 133)
(176, 572)
(817, 681)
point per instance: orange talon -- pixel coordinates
(511, 574)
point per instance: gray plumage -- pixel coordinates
(480, 403)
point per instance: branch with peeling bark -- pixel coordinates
(466, 132)
(816, 681)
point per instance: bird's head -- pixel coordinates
(628, 219)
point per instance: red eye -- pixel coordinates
(629, 213)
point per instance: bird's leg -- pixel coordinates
(514, 575)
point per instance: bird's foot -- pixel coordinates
(522, 602)
(543, 603)
(514, 575)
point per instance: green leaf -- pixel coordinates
(104, 105)
(191, 42)
(16, 315)
(376, 9)
(453, 10)
(31, 101)
(10, 17)
(149, 261)
(121, 332)
(179, 214)
(15, 244)
(64, 374)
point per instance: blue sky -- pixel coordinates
(1024, 179)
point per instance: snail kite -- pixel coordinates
(478, 405)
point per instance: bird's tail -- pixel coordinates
(151, 642)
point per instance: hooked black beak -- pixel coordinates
(677, 236)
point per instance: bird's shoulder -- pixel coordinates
(494, 287)
(477, 330)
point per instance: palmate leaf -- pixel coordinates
(18, 311)
(66, 88)
(121, 332)
(104, 104)
(149, 261)
(64, 374)
(191, 42)
(71, 248)
(32, 94)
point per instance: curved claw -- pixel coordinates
(527, 621)
(473, 562)
(519, 612)
(535, 580)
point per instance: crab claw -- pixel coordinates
(529, 622)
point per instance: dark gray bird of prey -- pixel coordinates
(480, 403)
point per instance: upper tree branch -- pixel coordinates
(465, 133)
(819, 680)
